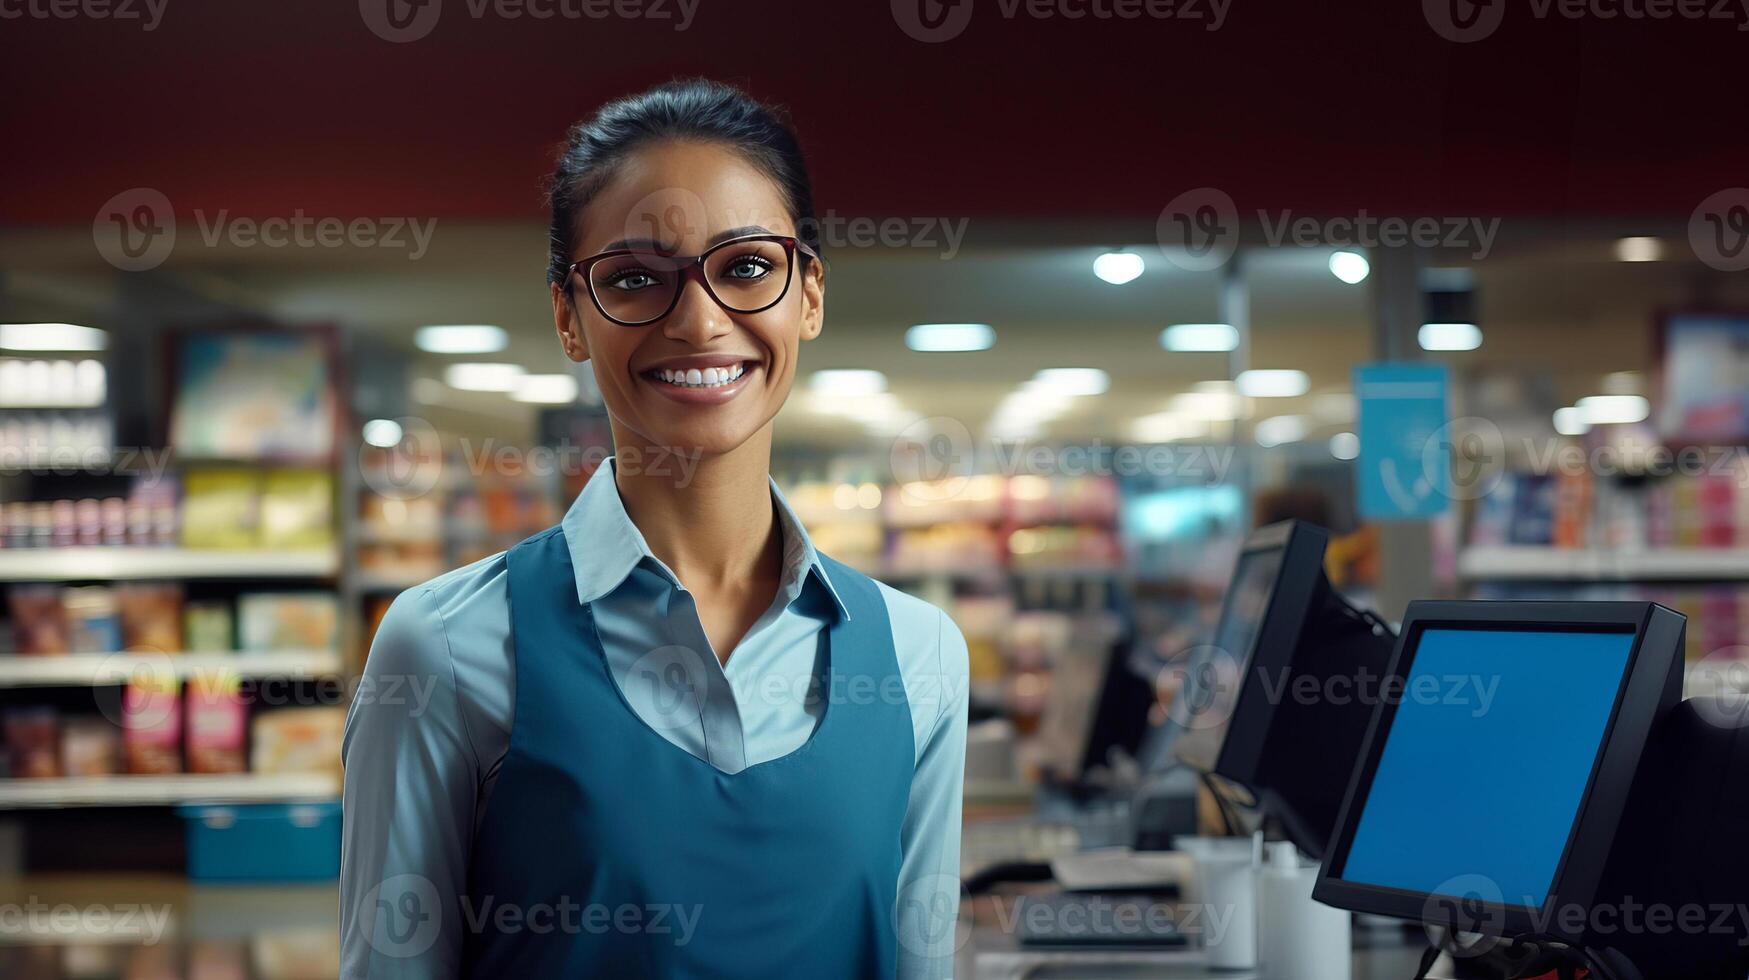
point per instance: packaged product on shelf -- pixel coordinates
(152, 725)
(297, 740)
(93, 621)
(33, 741)
(287, 621)
(207, 627)
(151, 616)
(297, 509)
(152, 511)
(90, 747)
(216, 725)
(39, 621)
(220, 507)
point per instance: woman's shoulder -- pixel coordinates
(415, 628)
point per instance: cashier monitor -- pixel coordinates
(1274, 708)
(1491, 790)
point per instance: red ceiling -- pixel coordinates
(263, 108)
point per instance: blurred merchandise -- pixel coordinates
(297, 740)
(90, 747)
(216, 723)
(287, 621)
(151, 615)
(39, 620)
(33, 742)
(220, 508)
(152, 724)
(297, 509)
(208, 627)
(93, 621)
(254, 395)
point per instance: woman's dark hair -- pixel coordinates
(685, 109)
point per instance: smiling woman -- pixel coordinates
(605, 736)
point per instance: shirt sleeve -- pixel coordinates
(412, 777)
(929, 881)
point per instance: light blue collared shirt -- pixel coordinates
(430, 724)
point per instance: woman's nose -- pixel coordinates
(696, 319)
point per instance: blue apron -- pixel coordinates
(608, 851)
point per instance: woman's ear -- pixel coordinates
(569, 325)
(813, 299)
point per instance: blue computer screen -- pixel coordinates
(1486, 761)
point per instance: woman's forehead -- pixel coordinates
(682, 196)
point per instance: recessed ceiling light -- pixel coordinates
(1570, 421)
(461, 338)
(483, 376)
(1277, 383)
(1186, 337)
(1118, 268)
(1450, 336)
(1345, 445)
(1071, 381)
(51, 337)
(1167, 427)
(545, 389)
(932, 337)
(383, 433)
(1614, 409)
(1280, 430)
(1350, 267)
(848, 381)
(1210, 406)
(1639, 249)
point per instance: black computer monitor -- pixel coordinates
(1492, 785)
(1277, 705)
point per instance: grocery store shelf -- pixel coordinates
(95, 669)
(112, 563)
(1529, 562)
(166, 790)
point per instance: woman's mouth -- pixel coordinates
(712, 385)
(710, 377)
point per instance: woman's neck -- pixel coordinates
(708, 518)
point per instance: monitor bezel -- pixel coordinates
(1642, 693)
(1246, 732)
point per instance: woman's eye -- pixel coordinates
(749, 267)
(631, 279)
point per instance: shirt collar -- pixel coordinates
(606, 546)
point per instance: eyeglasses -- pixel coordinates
(633, 286)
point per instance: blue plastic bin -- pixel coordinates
(263, 841)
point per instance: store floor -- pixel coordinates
(162, 927)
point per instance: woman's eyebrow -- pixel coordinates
(716, 239)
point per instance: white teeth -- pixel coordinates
(710, 377)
